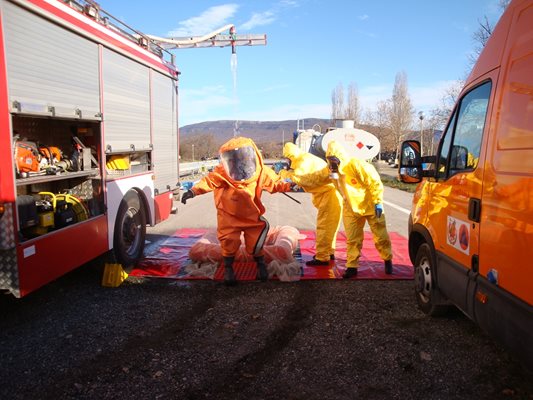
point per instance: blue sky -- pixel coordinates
(312, 46)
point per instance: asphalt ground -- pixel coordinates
(167, 339)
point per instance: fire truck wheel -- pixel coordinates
(130, 230)
(427, 292)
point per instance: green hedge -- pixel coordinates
(396, 183)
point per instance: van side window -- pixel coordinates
(462, 142)
(442, 167)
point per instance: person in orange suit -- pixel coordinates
(237, 183)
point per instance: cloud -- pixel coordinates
(370, 96)
(196, 114)
(430, 96)
(462, 28)
(288, 3)
(423, 97)
(288, 111)
(274, 88)
(368, 34)
(363, 17)
(269, 16)
(208, 21)
(205, 104)
(259, 19)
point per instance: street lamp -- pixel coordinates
(421, 117)
(192, 152)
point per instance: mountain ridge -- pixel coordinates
(259, 131)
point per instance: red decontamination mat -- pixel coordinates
(168, 257)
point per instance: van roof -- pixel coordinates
(491, 55)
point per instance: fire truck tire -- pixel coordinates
(426, 289)
(130, 230)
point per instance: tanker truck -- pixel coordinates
(357, 142)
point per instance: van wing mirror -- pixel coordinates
(410, 165)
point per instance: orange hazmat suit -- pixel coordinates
(237, 183)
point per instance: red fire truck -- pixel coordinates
(88, 139)
(88, 136)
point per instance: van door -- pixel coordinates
(455, 194)
(507, 224)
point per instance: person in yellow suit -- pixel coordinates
(361, 189)
(325, 198)
(237, 183)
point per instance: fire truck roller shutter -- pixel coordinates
(130, 230)
(165, 133)
(48, 65)
(126, 103)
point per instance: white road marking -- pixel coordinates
(404, 210)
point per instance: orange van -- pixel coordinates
(471, 223)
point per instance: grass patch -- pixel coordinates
(393, 182)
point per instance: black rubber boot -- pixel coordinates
(350, 272)
(315, 262)
(388, 267)
(229, 275)
(262, 273)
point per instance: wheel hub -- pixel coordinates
(131, 227)
(423, 279)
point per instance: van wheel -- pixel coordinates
(130, 231)
(425, 286)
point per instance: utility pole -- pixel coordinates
(421, 117)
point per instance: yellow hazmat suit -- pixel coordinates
(324, 197)
(362, 190)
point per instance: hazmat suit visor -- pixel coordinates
(333, 163)
(240, 164)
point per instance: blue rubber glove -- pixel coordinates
(187, 185)
(379, 210)
(279, 165)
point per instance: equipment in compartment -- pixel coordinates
(27, 156)
(47, 211)
(67, 209)
(27, 211)
(64, 215)
(118, 162)
(52, 147)
(50, 155)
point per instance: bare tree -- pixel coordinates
(337, 103)
(199, 146)
(353, 109)
(400, 109)
(434, 125)
(483, 32)
(385, 135)
(377, 123)
(440, 114)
